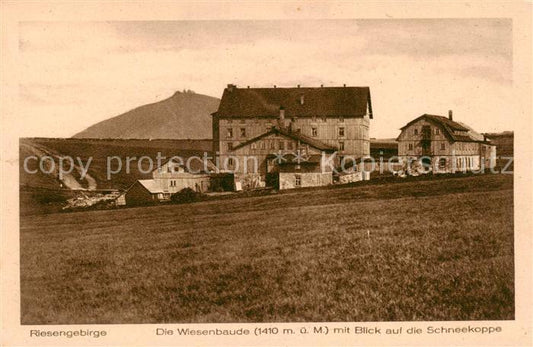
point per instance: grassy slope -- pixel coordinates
(183, 115)
(431, 255)
(99, 151)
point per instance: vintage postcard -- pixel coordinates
(266, 173)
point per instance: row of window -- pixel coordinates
(281, 145)
(314, 119)
(467, 162)
(314, 132)
(436, 131)
(340, 131)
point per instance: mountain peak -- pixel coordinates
(184, 115)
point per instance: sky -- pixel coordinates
(75, 74)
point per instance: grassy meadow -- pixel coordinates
(427, 250)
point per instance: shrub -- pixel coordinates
(49, 197)
(186, 195)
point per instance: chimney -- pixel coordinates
(281, 113)
(298, 86)
(450, 115)
(230, 87)
(321, 86)
(484, 138)
(344, 85)
(274, 86)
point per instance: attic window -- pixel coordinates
(437, 131)
(416, 131)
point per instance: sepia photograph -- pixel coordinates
(194, 171)
(278, 175)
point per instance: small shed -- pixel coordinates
(144, 192)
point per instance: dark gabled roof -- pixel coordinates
(449, 126)
(293, 135)
(320, 102)
(438, 119)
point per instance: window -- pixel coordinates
(230, 146)
(442, 163)
(314, 118)
(229, 133)
(230, 121)
(341, 146)
(243, 121)
(254, 145)
(262, 144)
(298, 180)
(289, 145)
(341, 131)
(341, 119)
(416, 131)
(281, 144)
(243, 132)
(443, 146)
(437, 131)
(410, 146)
(272, 145)
(230, 161)
(324, 119)
(314, 132)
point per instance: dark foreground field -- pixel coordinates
(430, 250)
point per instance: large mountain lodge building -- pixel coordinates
(448, 146)
(266, 122)
(277, 137)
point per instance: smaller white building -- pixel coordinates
(169, 179)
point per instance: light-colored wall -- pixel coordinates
(287, 180)
(466, 155)
(408, 136)
(356, 131)
(247, 154)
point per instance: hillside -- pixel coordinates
(182, 116)
(503, 141)
(45, 192)
(311, 255)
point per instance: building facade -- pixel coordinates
(445, 145)
(263, 123)
(169, 179)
